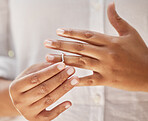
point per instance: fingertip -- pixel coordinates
(60, 31)
(71, 70)
(76, 77)
(61, 65)
(74, 80)
(67, 104)
(48, 43)
(49, 57)
(45, 42)
(46, 57)
(111, 8)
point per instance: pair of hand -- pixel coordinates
(120, 62)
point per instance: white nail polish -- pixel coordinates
(60, 31)
(74, 82)
(61, 66)
(48, 43)
(70, 71)
(67, 106)
(50, 57)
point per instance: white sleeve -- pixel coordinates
(7, 64)
(7, 67)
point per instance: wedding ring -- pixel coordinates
(63, 57)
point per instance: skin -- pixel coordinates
(117, 61)
(6, 104)
(38, 87)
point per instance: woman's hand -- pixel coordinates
(120, 62)
(40, 86)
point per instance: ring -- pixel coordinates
(63, 57)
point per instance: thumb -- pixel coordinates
(122, 27)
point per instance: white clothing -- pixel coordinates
(29, 22)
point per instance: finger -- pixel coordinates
(76, 61)
(34, 68)
(122, 27)
(92, 80)
(91, 37)
(48, 86)
(52, 114)
(77, 48)
(29, 81)
(55, 95)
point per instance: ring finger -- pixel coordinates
(76, 61)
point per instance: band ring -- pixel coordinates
(63, 58)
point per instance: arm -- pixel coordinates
(5, 101)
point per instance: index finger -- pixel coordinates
(31, 80)
(91, 37)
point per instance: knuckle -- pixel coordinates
(91, 80)
(43, 89)
(88, 34)
(58, 113)
(114, 40)
(66, 87)
(91, 62)
(82, 61)
(35, 79)
(61, 76)
(85, 61)
(118, 18)
(114, 70)
(113, 57)
(115, 43)
(97, 76)
(49, 100)
(70, 32)
(59, 44)
(79, 46)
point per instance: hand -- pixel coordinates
(120, 62)
(40, 86)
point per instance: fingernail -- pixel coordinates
(50, 57)
(70, 71)
(74, 82)
(48, 43)
(60, 31)
(67, 106)
(61, 66)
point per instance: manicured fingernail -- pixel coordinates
(48, 43)
(70, 71)
(50, 57)
(74, 82)
(60, 31)
(67, 106)
(61, 66)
